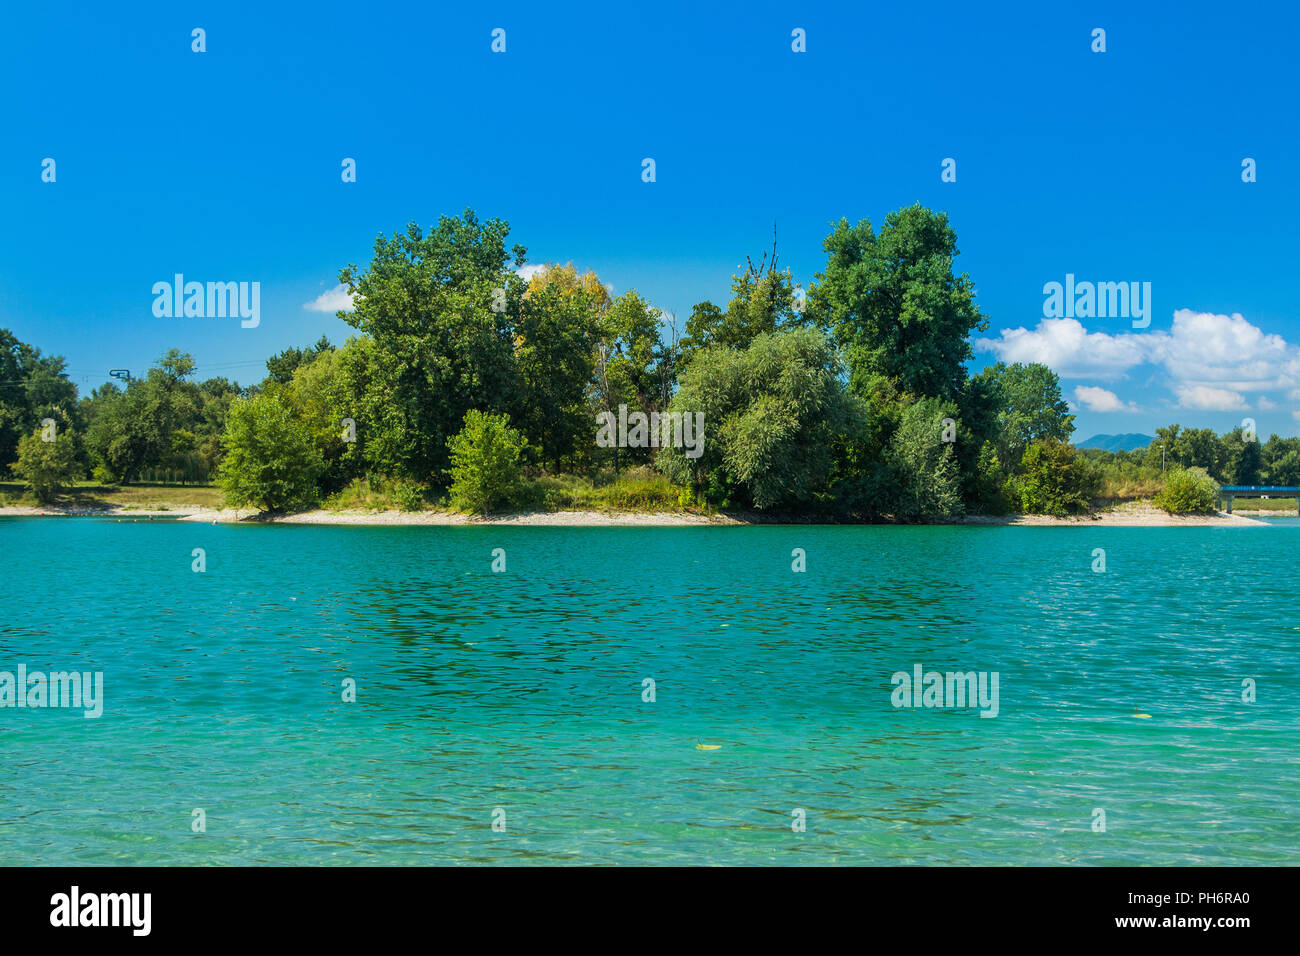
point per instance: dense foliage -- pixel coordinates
(485, 457)
(1189, 491)
(474, 378)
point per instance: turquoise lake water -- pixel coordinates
(523, 691)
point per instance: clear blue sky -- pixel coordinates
(225, 165)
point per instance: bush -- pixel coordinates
(47, 466)
(270, 459)
(409, 495)
(1189, 491)
(1053, 480)
(485, 467)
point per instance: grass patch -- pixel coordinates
(151, 497)
(376, 493)
(1284, 505)
(639, 489)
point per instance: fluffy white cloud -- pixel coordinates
(1225, 350)
(1210, 399)
(1101, 400)
(1265, 404)
(1210, 359)
(1064, 346)
(335, 300)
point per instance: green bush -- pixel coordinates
(1189, 491)
(1053, 480)
(485, 468)
(409, 495)
(270, 459)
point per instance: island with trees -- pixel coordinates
(473, 387)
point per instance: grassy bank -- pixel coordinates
(140, 497)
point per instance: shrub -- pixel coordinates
(409, 495)
(485, 467)
(1189, 491)
(1053, 480)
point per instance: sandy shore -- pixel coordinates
(1144, 517)
(1137, 514)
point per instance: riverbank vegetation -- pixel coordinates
(474, 385)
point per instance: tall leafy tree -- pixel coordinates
(32, 387)
(1027, 405)
(441, 307)
(895, 303)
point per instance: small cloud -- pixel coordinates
(1210, 399)
(1101, 400)
(529, 271)
(335, 300)
(1266, 404)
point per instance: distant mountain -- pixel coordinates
(1116, 442)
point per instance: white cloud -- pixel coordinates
(527, 272)
(1210, 359)
(1064, 346)
(1224, 350)
(1101, 400)
(335, 300)
(1210, 399)
(1265, 404)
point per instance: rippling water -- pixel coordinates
(523, 691)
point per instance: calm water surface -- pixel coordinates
(523, 690)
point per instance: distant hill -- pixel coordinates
(1116, 442)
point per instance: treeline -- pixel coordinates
(161, 427)
(469, 381)
(853, 399)
(1236, 457)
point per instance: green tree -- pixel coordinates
(33, 387)
(442, 309)
(1029, 407)
(555, 348)
(762, 302)
(270, 460)
(924, 464)
(895, 304)
(280, 367)
(47, 466)
(1053, 480)
(634, 365)
(773, 414)
(320, 400)
(485, 463)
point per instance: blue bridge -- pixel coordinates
(1228, 492)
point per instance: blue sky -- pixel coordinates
(225, 166)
